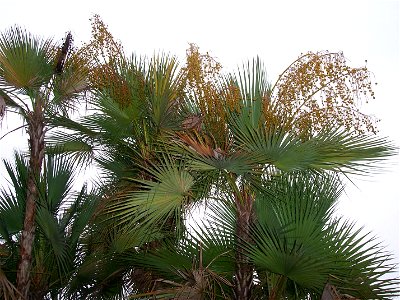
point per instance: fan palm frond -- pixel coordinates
(159, 199)
(296, 237)
(330, 149)
(26, 61)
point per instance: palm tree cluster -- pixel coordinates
(266, 163)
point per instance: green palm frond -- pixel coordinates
(49, 227)
(363, 268)
(26, 61)
(81, 153)
(254, 88)
(287, 229)
(165, 92)
(77, 141)
(113, 122)
(331, 149)
(342, 151)
(61, 221)
(12, 201)
(76, 218)
(299, 197)
(57, 182)
(296, 237)
(105, 261)
(159, 199)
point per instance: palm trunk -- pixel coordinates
(36, 146)
(244, 270)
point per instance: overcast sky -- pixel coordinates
(235, 31)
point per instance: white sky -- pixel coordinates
(235, 31)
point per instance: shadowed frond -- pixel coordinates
(12, 200)
(364, 269)
(7, 290)
(190, 268)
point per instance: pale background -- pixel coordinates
(235, 31)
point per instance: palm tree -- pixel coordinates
(136, 104)
(123, 139)
(260, 141)
(298, 247)
(238, 150)
(175, 187)
(62, 217)
(169, 142)
(36, 81)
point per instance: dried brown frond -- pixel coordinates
(202, 144)
(199, 143)
(331, 293)
(63, 53)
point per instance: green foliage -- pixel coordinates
(62, 219)
(168, 139)
(297, 237)
(26, 62)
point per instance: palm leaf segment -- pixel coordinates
(159, 199)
